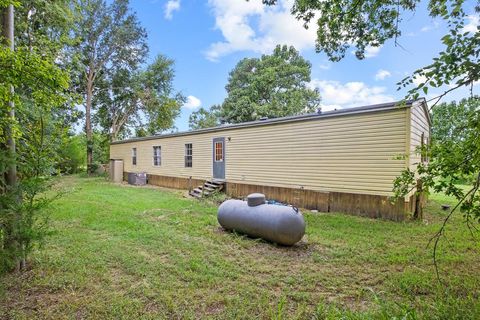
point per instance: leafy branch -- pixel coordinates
(436, 238)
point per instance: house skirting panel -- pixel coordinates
(372, 206)
(170, 182)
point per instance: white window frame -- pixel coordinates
(159, 156)
(134, 156)
(188, 155)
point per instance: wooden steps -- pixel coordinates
(209, 187)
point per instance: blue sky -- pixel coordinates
(207, 38)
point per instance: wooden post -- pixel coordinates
(418, 213)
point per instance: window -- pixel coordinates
(218, 151)
(157, 156)
(188, 155)
(134, 156)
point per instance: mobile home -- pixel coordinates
(339, 161)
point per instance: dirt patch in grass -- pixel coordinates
(157, 214)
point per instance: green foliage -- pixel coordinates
(130, 99)
(272, 86)
(157, 95)
(6, 3)
(107, 36)
(43, 113)
(203, 118)
(46, 25)
(363, 24)
(342, 24)
(71, 154)
(455, 155)
(23, 223)
(40, 90)
(458, 65)
(449, 120)
(101, 149)
(30, 72)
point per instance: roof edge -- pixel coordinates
(425, 108)
(303, 117)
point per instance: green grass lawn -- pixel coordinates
(127, 252)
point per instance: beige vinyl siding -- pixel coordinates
(351, 153)
(173, 156)
(419, 124)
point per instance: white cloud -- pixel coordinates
(435, 24)
(192, 102)
(170, 7)
(382, 74)
(325, 66)
(274, 25)
(371, 52)
(337, 95)
(472, 25)
(252, 26)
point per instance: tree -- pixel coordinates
(109, 36)
(454, 153)
(272, 86)
(203, 118)
(454, 156)
(45, 24)
(71, 154)
(26, 118)
(130, 99)
(370, 23)
(449, 119)
(8, 98)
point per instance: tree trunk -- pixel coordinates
(11, 175)
(7, 32)
(113, 132)
(88, 123)
(418, 213)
